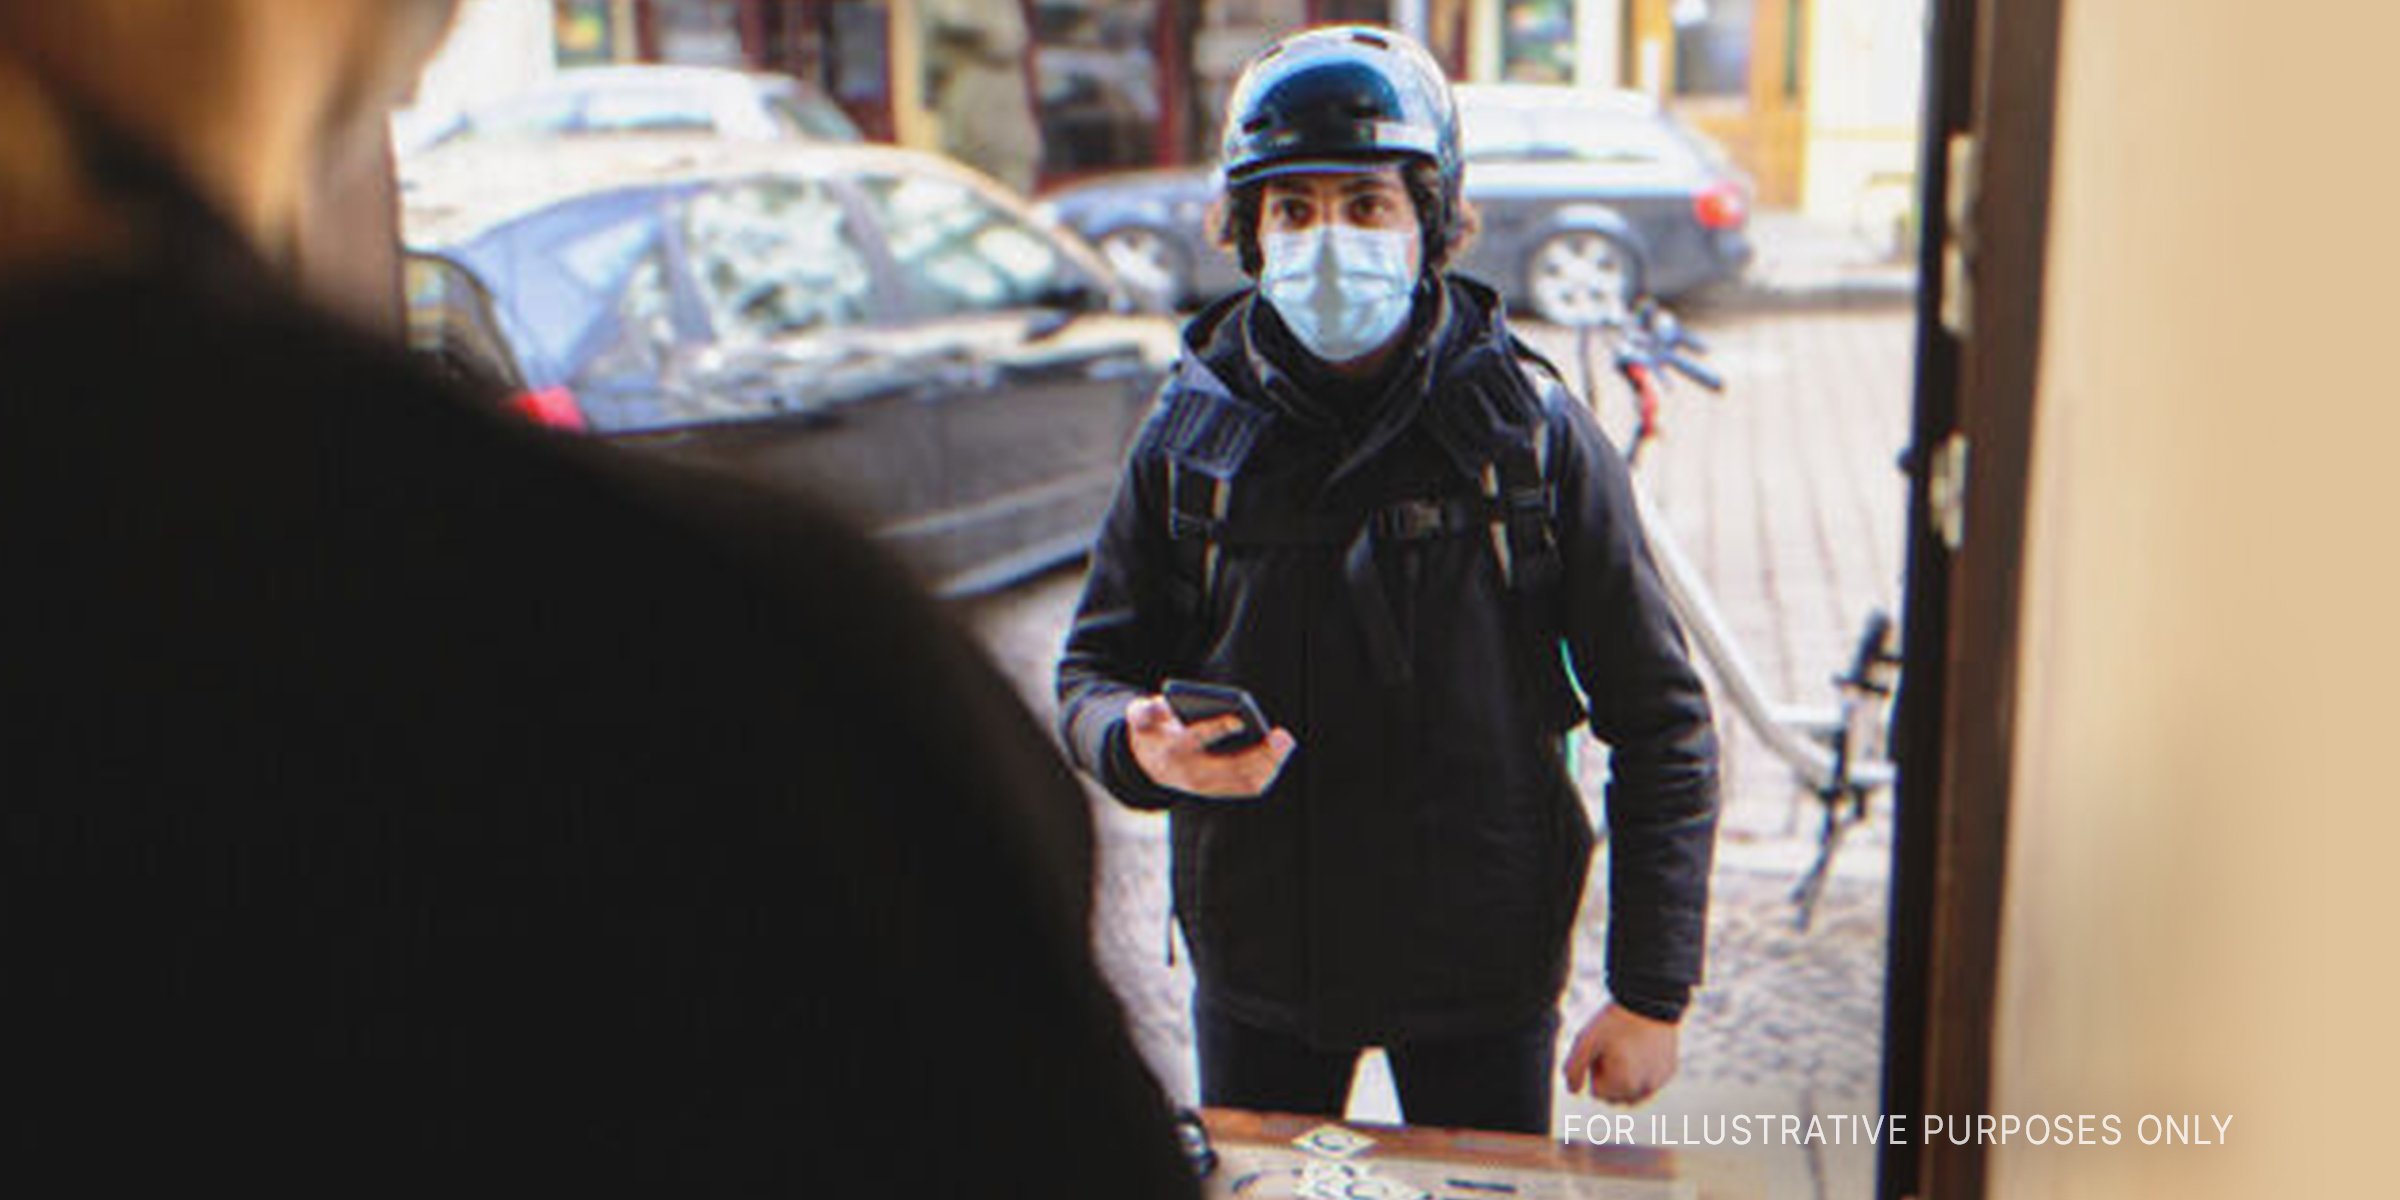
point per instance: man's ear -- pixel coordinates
(1224, 220)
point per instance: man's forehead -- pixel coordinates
(1341, 177)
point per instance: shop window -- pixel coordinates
(1362, 12)
(1712, 47)
(700, 33)
(1097, 84)
(586, 32)
(1537, 41)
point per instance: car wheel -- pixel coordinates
(1582, 277)
(1149, 263)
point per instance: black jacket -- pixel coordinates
(1417, 868)
(398, 799)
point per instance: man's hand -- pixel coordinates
(1626, 1056)
(1176, 755)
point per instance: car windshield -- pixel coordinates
(1580, 135)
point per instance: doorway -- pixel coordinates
(1734, 69)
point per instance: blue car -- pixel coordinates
(877, 327)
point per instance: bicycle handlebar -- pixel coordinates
(1694, 371)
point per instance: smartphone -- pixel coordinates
(1195, 702)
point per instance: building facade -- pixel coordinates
(1816, 99)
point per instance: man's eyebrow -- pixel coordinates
(1352, 185)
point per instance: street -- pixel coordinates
(1785, 494)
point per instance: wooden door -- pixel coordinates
(1735, 71)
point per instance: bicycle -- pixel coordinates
(1840, 753)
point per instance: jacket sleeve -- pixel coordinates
(1122, 643)
(1648, 705)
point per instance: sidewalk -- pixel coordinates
(1785, 495)
(1804, 263)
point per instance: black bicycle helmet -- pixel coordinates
(1342, 93)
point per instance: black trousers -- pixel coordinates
(1498, 1080)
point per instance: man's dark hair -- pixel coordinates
(1233, 222)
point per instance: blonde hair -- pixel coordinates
(240, 94)
(46, 210)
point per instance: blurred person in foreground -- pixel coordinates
(401, 800)
(1363, 500)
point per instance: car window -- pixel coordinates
(620, 388)
(540, 115)
(648, 110)
(774, 257)
(958, 252)
(556, 277)
(643, 329)
(1568, 134)
(599, 259)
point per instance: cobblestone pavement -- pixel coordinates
(1785, 495)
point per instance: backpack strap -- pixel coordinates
(1511, 397)
(1205, 436)
(1539, 585)
(1503, 434)
(1501, 429)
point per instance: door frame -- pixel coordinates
(1766, 127)
(1992, 77)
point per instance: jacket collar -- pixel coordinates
(1464, 329)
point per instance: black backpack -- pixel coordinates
(1500, 428)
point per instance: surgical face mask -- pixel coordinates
(1343, 291)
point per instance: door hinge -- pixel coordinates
(1958, 236)
(1946, 492)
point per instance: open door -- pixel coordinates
(1986, 190)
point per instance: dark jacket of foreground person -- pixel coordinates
(1416, 869)
(400, 800)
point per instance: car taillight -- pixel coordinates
(552, 407)
(1721, 207)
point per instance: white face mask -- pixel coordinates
(1343, 291)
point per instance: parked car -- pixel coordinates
(879, 327)
(1589, 199)
(643, 100)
